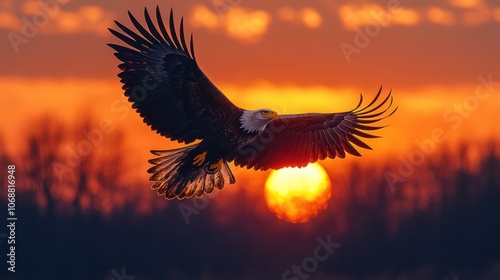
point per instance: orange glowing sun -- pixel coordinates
(297, 195)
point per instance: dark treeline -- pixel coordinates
(80, 219)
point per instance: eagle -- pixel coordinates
(166, 86)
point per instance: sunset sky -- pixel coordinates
(440, 58)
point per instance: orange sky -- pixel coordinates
(440, 58)
(292, 56)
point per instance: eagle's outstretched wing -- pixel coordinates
(163, 81)
(297, 140)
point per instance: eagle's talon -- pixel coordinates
(199, 159)
(214, 168)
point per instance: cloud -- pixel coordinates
(307, 16)
(89, 19)
(9, 21)
(310, 17)
(203, 17)
(356, 16)
(406, 17)
(440, 16)
(466, 3)
(464, 12)
(477, 16)
(242, 24)
(51, 17)
(246, 25)
(496, 14)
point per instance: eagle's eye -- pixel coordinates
(264, 112)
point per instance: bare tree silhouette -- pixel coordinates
(78, 169)
(446, 200)
(111, 165)
(44, 140)
(100, 169)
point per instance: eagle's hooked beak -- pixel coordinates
(271, 115)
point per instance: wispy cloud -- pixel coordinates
(53, 17)
(441, 16)
(9, 21)
(247, 25)
(466, 3)
(450, 13)
(307, 16)
(496, 14)
(91, 19)
(477, 16)
(354, 16)
(243, 24)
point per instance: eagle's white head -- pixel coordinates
(256, 120)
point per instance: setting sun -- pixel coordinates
(298, 194)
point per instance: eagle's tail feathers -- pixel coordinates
(174, 176)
